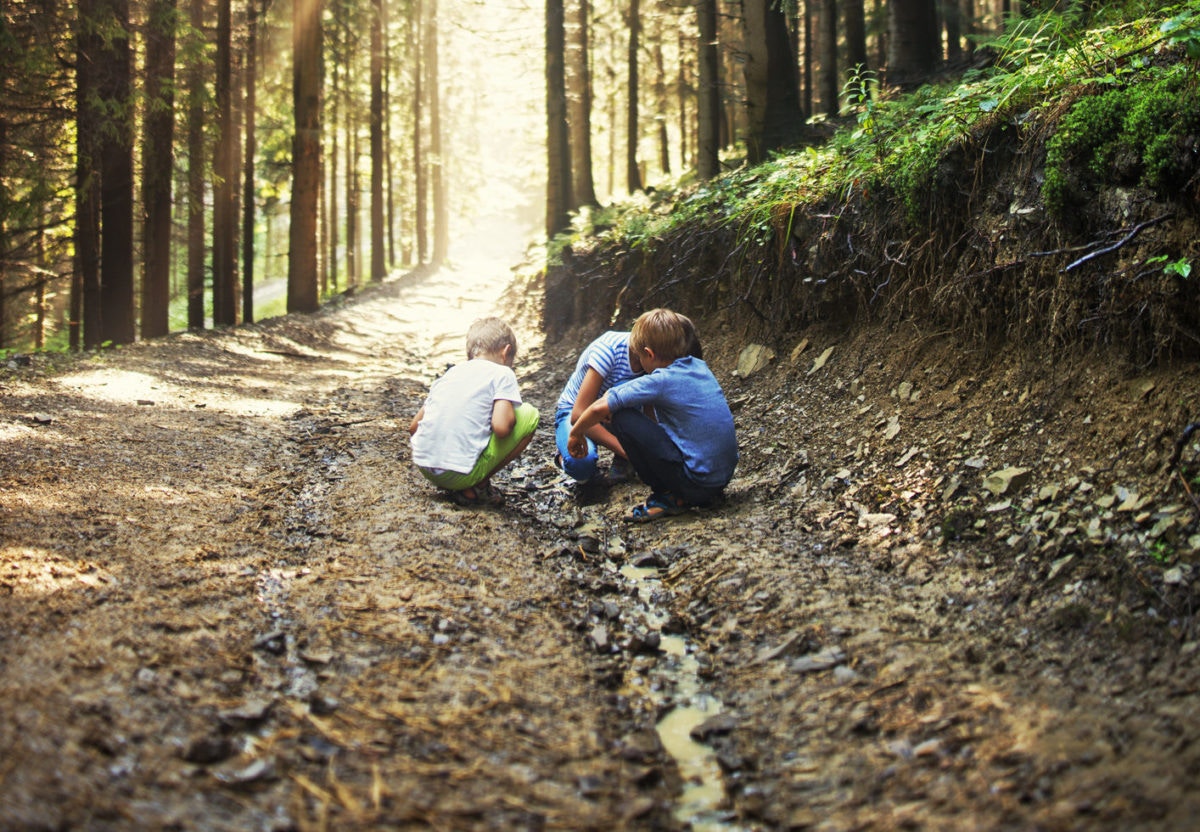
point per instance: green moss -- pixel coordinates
(1135, 134)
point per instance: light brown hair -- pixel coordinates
(663, 332)
(488, 336)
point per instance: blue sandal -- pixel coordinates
(656, 507)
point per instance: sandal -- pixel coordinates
(480, 494)
(656, 507)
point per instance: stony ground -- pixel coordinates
(948, 590)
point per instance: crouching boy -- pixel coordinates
(473, 422)
(687, 451)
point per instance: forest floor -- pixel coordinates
(948, 590)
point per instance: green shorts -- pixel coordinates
(497, 449)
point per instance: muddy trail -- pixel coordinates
(939, 595)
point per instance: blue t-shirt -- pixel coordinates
(608, 355)
(691, 407)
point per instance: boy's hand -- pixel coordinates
(577, 445)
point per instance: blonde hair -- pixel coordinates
(488, 336)
(663, 331)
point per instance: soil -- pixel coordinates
(228, 601)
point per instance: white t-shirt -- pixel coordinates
(458, 414)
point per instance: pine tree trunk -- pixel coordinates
(830, 80)
(558, 151)
(633, 176)
(195, 180)
(583, 191)
(248, 177)
(708, 98)
(85, 290)
(113, 66)
(224, 309)
(437, 167)
(914, 45)
(306, 156)
(419, 181)
(158, 167)
(378, 269)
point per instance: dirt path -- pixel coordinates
(226, 602)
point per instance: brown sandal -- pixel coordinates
(480, 494)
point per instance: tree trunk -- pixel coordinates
(812, 9)
(350, 118)
(333, 217)
(914, 46)
(856, 35)
(158, 167)
(419, 181)
(306, 156)
(558, 151)
(580, 108)
(248, 177)
(389, 171)
(683, 92)
(378, 269)
(952, 16)
(708, 94)
(85, 290)
(772, 97)
(660, 102)
(224, 309)
(196, 178)
(437, 166)
(828, 50)
(633, 175)
(113, 68)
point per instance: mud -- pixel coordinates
(228, 602)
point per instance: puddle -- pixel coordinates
(700, 805)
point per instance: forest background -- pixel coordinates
(159, 161)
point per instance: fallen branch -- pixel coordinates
(1137, 229)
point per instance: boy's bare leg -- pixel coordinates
(512, 455)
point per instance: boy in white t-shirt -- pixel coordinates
(473, 422)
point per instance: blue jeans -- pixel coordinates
(583, 468)
(657, 459)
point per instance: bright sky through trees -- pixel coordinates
(492, 109)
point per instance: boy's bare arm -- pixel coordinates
(589, 391)
(596, 413)
(416, 420)
(504, 418)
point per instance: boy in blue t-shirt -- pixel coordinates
(686, 453)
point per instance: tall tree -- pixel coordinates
(196, 167)
(558, 150)
(660, 100)
(224, 175)
(113, 66)
(306, 155)
(856, 35)
(633, 174)
(828, 50)
(378, 268)
(708, 94)
(158, 167)
(579, 105)
(420, 190)
(772, 94)
(329, 275)
(248, 159)
(85, 289)
(914, 47)
(437, 162)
